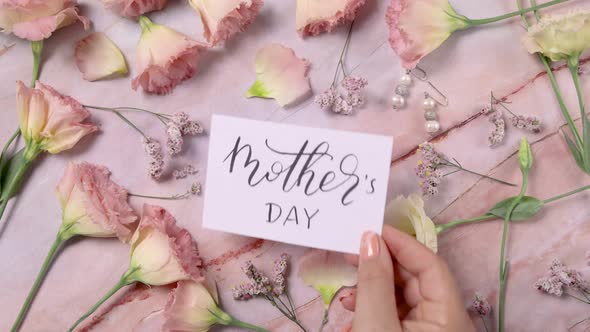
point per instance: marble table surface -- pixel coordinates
(466, 68)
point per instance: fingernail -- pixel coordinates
(370, 245)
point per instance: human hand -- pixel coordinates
(428, 298)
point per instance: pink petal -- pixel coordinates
(281, 75)
(97, 57)
(134, 8)
(327, 272)
(315, 17)
(103, 202)
(164, 59)
(43, 27)
(224, 18)
(181, 242)
(418, 27)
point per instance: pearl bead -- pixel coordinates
(428, 104)
(405, 80)
(432, 126)
(398, 102)
(402, 90)
(430, 115)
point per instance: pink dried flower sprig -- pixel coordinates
(481, 307)
(529, 123)
(559, 278)
(272, 289)
(429, 169)
(177, 126)
(347, 96)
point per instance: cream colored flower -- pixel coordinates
(408, 215)
(560, 37)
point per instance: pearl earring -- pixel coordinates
(402, 90)
(429, 104)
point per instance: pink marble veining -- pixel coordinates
(466, 68)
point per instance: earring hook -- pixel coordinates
(418, 73)
(446, 100)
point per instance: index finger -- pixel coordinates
(409, 253)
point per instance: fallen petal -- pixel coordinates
(327, 272)
(224, 18)
(97, 58)
(315, 17)
(280, 75)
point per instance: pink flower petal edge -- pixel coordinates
(37, 20)
(97, 57)
(316, 17)
(281, 75)
(103, 201)
(222, 19)
(134, 8)
(165, 58)
(180, 240)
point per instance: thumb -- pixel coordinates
(375, 299)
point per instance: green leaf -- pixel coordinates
(574, 150)
(586, 144)
(258, 90)
(12, 175)
(526, 208)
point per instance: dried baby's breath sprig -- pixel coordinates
(272, 289)
(194, 190)
(482, 307)
(344, 97)
(429, 169)
(184, 172)
(177, 126)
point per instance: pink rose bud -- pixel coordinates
(50, 121)
(36, 20)
(93, 205)
(165, 58)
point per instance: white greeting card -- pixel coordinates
(312, 187)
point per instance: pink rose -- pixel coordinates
(92, 204)
(134, 8)
(418, 27)
(48, 120)
(36, 20)
(165, 58)
(161, 252)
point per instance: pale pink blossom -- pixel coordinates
(480, 305)
(50, 121)
(222, 19)
(165, 58)
(97, 58)
(134, 8)
(193, 307)
(92, 204)
(315, 17)
(162, 252)
(418, 27)
(36, 20)
(280, 75)
(327, 272)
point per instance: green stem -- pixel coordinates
(488, 177)
(444, 227)
(167, 198)
(573, 192)
(573, 65)
(477, 22)
(324, 320)
(8, 144)
(59, 240)
(145, 23)
(37, 48)
(239, 323)
(340, 65)
(124, 281)
(483, 319)
(131, 124)
(577, 298)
